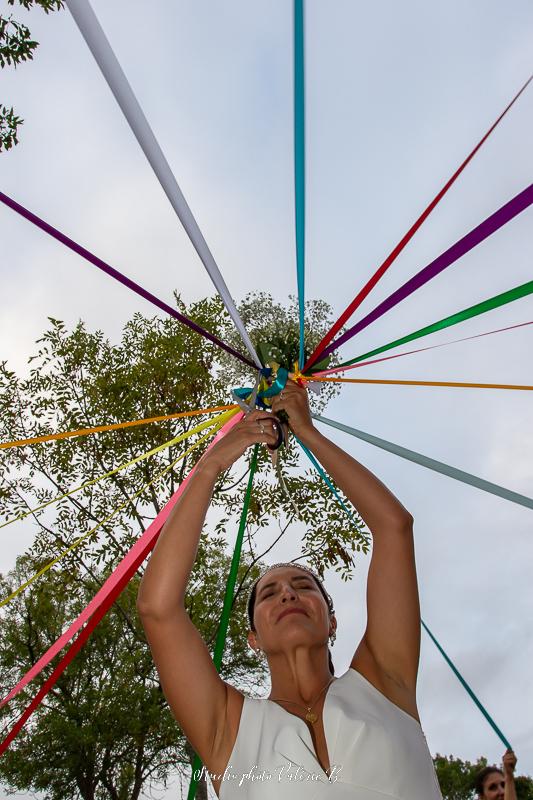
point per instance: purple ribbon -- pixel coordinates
(118, 276)
(449, 257)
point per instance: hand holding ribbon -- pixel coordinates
(293, 401)
(258, 427)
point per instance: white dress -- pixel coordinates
(376, 751)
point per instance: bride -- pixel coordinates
(353, 737)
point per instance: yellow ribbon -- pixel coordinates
(202, 426)
(217, 425)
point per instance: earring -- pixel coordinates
(332, 637)
(260, 653)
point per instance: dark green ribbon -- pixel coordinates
(228, 601)
(473, 311)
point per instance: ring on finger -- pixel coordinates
(261, 428)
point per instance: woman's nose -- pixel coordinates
(288, 593)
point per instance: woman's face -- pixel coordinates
(494, 787)
(289, 609)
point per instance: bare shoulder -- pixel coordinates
(401, 695)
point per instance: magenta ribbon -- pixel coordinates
(485, 229)
(418, 350)
(118, 276)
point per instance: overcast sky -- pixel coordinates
(397, 95)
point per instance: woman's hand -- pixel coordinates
(256, 428)
(509, 762)
(293, 400)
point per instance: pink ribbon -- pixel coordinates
(100, 604)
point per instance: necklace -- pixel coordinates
(310, 716)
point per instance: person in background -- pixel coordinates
(492, 783)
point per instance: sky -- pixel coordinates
(396, 96)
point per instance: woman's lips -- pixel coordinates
(291, 611)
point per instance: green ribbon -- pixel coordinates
(473, 311)
(228, 601)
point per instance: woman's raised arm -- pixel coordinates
(391, 644)
(196, 694)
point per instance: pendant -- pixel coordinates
(311, 717)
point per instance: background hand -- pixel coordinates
(509, 762)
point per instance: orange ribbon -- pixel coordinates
(115, 426)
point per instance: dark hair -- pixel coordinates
(325, 595)
(482, 776)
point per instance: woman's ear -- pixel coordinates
(252, 641)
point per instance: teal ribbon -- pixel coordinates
(299, 163)
(244, 392)
(228, 602)
(454, 669)
(467, 688)
(326, 480)
(278, 385)
(432, 464)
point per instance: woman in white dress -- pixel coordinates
(355, 737)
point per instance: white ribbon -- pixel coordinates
(99, 46)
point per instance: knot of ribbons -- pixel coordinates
(271, 380)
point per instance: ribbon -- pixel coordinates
(101, 602)
(455, 384)
(203, 425)
(498, 300)
(222, 632)
(99, 46)
(446, 658)
(367, 288)
(299, 163)
(465, 686)
(485, 229)
(50, 437)
(80, 539)
(118, 276)
(432, 464)
(247, 398)
(419, 350)
(328, 482)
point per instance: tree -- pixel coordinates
(456, 777)
(524, 787)
(105, 730)
(16, 45)
(79, 379)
